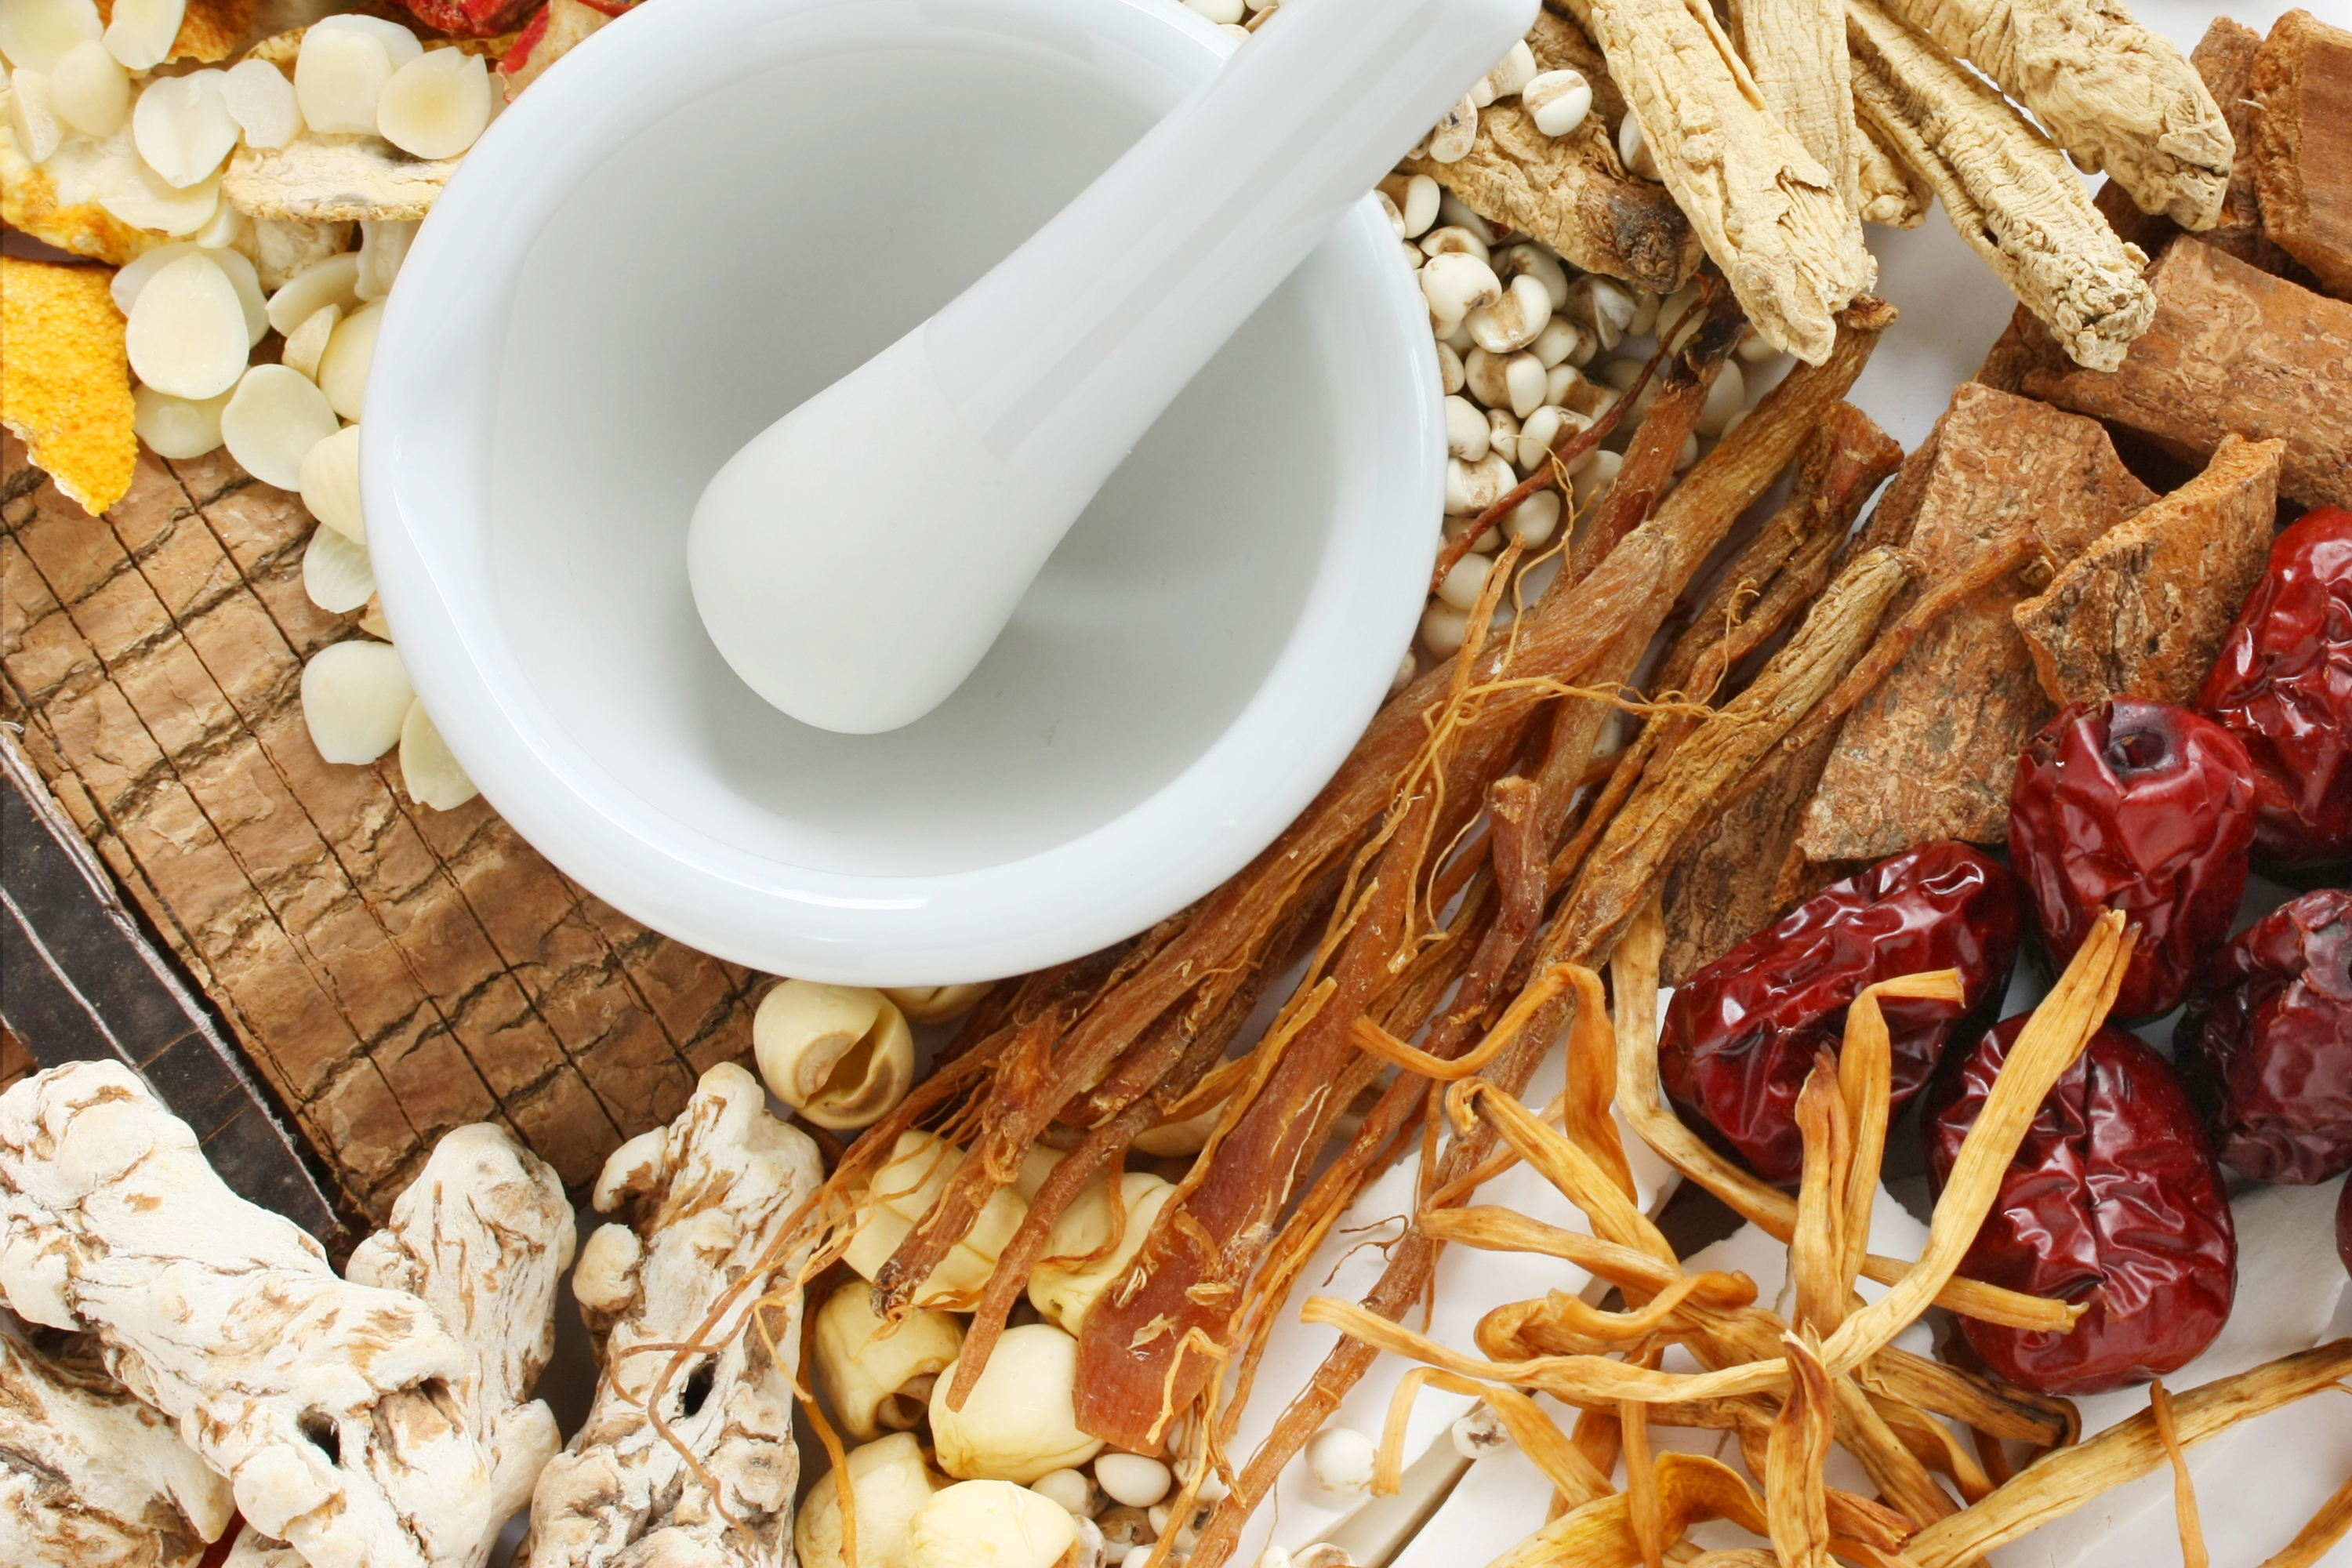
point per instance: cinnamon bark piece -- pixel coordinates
(2303, 144)
(1930, 752)
(1724, 887)
(2008, 190)
(2233, 349)
(2143, 611)
(2115, 95)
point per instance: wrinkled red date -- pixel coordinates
(2265, 1048)
(2138, 806)
(2283, 687)
(2113, 1200)
(1740, 1035)
(470, 18)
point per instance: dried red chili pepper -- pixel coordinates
(2113, 1199)
(2266, 1048)
(2283, 687)
(2138, 806)
(1741, 1033)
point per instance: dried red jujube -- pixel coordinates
(2113, 1200)
(2283, 687)
(2265, 1048)
(2138, 806)
(1741, 1033)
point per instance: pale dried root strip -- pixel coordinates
(2008, 190)
(1774, 218)
(2062, 1482)
(1796, 51)
(2115, 95)
(1892, 194)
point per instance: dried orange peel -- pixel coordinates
(65, 377)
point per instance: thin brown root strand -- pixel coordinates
(2184, 1487)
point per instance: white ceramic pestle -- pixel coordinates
(1001, 417)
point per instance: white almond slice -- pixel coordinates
(139, 197)
(35, 34)
(272, 423)
(343, 368)
(132, 277)
(32, 114)
(384, 246)
(176, 426)
(429, 771)
(330, 484)
(306, 342)
(333, 282)
(182, 126)
(186, 335)
(89, 91)
(139, 33)
(229, 229)
(436, 105)
(336, 572)
(262, 102)
(247, 283)
(371, 619)
(337, 77)
(400, 45)
(355, 697)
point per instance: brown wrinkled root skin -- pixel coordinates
(2303, 144)
(2009, 193)
(2115, 95)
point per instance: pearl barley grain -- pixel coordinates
(1455, 135)
(1463, 580)
(187, 332)
(1456, 284)
(1514, 321)
(1513, 72)
(1532, 521)
(89, 91)
(1069, 1488)
(437, 105)
(1340, 1459)
(1466, 430)
(1559, 101)
(1420, 205)
(262, 101)
(1634, 151)
(1724, 399)
(1134, 1480)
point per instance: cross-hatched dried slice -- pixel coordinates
(182, 128)
(139, 33)
(89, 91)
(336, 572)
(35, 34)
(271, 423)
(65, 383)
(436, 105)
(178, 426)
(428, 769)
(33, 116)
(187, 328)
(343, 368)
(333, 282)
(305, 343)
(339, 77)
(330, 484)
(262, 101)
(355, 697)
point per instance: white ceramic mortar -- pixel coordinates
(711, 211)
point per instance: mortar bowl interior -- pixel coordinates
(709, 213)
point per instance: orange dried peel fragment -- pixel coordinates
(65, 377)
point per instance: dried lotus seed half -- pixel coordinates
(428, 770)
(436, 105)
(336, 574)
(139, 33)
(182, 126)
(187, 333)
(273, 421)
(35, 34)
(337, 77)
(89, 91)
(331, 483)
(305, 343)
(343, 368)
(262, 101)
(331, 281)
(32, 115)
(840, 1055)
(176, 426)
(355, 699)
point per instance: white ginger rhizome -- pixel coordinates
(707, 1198)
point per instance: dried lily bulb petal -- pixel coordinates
(331, 282)
(331, 483)
(337, 574)
(428, 770)
(936, 1003)
(400, 45)
(139, 33)
(436, 105)
(186, 335)
(176, 426)
(273, 421)
(339, 77)
(89, 91)
(262, 101)
(355, 699)
(384, 246)
(32, 114)
(306, 342)
(182, 126)
(35, 34)
(840, 1055)
(343, 368)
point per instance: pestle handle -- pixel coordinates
(1028, 390)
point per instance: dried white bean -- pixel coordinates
(1464, 580)
(1451, 140)
(307, 343)
(1455, 283)
(1455, 239)
(1556, 344)
(1726, 397)
(437, 105)
(1532, 521)
(343, 368)
(1465, 430)
(339, 78)
(329, 482)
(1632, 151)
(336, 572)
(1453, 211)
(176, 426)
(332, 281)
(1559, 101)
(1532, 259)
(141, 33)
(262, 101)
(1133, 1479)
(187, 332)
(89, 91)
(429, 771)
(1512, 322)
(383, 248)
(182, 126)
(1449, 369)
(35, 34)
(1340, 1459)
(273, 421)
(32, 114)
(1513, 72)
(355, 699)
(141, 198)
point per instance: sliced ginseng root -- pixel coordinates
(270, 424)
(331, 483)
(428, 769)
(262, 101)
(841, 1055)
(177, 426)
(182, 126)
(187, 332)
(355, 698)
(140, 32)
(436, 105)
(343, 366)
(336, 574)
